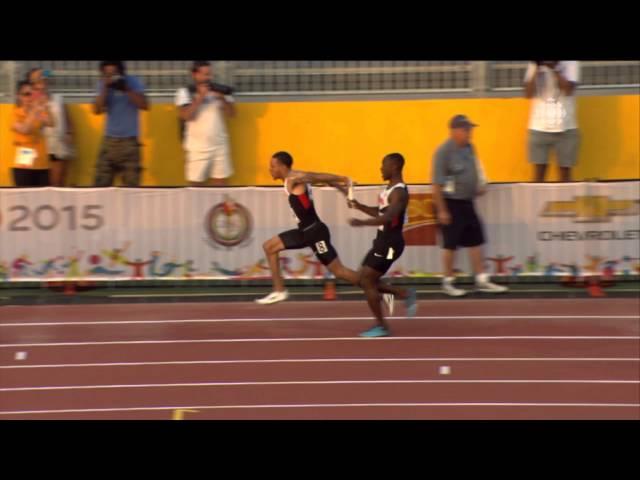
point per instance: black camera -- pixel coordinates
(214, 87)
(547, 63)
(118, 82)
(220, 88)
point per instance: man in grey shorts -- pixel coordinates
(552, 122)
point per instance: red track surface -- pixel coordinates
(509, 359)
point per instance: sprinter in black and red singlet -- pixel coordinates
(311, 231)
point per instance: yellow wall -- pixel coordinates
(351, 138)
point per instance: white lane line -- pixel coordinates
(329, 360)
(436, 301)
(320, 405)
(319, 292)
(311, 382)
(250, 294)
(324, 319)
(319, 339)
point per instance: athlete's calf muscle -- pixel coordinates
(340, 271)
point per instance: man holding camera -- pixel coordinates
(203, 106)
(120, 96)
(552, 122)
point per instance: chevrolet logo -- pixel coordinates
(591, 208)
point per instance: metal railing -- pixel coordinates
(79, 78)
(322, 78)
(8, 81)
(509, 76)
(336, 77)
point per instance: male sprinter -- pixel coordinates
(389, 217)
(311, 231)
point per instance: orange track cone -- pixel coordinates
(69, 288)
(330, 290)
(594, 288)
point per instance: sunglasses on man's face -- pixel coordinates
(25, 94)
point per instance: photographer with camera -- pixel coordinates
(120, 96)
(552, 122)
(202, 106)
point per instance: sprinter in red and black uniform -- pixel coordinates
(389, 217)
(311, 231)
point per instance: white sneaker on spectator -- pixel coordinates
(449, 289)
(273, 297)
(484, 285)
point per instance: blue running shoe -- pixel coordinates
(376, 331)
(411, 303)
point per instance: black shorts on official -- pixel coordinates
(382, 255)
(465, 229)
(317, 237)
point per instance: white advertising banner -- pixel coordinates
(202, 233)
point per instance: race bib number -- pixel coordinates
(25, 157)
(321, 247)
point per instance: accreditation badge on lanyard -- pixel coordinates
(26, 157)
(449, 185)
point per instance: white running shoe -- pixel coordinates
(388, 300)
(484, 285)
(273, 297)
(449, 289)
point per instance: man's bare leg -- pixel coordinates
(369, 282)
(272, 248)
(539, 172)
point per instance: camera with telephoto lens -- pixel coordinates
(118, 82)
(546, 63)
(220, 88)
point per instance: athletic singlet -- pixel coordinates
(391, 230)
(302, 206)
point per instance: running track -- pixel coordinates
(507, 359)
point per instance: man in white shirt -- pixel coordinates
(206, 142)
(552, 121)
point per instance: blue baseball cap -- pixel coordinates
(461, 121)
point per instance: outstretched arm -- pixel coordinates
(316, 178)
(398, 201)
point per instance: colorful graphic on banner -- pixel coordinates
(124, 234)
(421, 225)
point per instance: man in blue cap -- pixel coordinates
(457, 179)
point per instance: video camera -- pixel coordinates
(118, 82)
